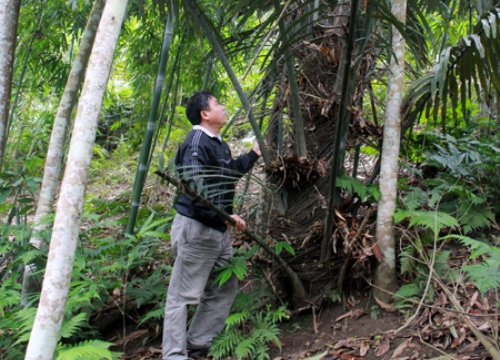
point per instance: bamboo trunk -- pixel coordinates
(45, 333)
(9, 16)
(53, 162)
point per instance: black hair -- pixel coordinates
(196, 103)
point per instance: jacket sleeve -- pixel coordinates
(243, 163)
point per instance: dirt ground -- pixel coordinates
(352, 332)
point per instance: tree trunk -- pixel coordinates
(45, 332)
(9, 16)
(52, 169)
(386, 277)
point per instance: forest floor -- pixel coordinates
(355, 330)
(348, 333)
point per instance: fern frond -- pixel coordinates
(155, 314)
(245, 348)
(486, 276)
(237, 319)
(475, 217)
(87, 350)
(71, 326)
(8, 298)
(352, 185)
(478, 247)
(410, 290)
(433, 220)
(406, 259)
(223, 344)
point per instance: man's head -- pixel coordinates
(204, 109)
(196, 103)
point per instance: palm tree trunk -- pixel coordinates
(142, 169)
(386, 276)
(53, 162)
(298, 122)
(9, 16)
(51, 309)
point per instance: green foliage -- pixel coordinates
(90, 349)
(486, 274)
(237, 266)
(355, 186)
(102, 264)
(248, 332)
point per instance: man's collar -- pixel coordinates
(206, 131)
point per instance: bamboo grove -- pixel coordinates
(362, 110)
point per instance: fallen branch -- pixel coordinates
(299, 293)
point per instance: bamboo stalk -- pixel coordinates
(142, 169)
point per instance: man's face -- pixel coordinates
(216, 113)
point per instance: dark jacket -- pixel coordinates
(206, 161)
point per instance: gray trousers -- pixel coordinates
(198, 250)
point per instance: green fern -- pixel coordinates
(486, 276)
(234, 341)
(406, 259)
(156, 314)
(87, 350)
(434, 220)
(410, 290)
(71, 326)
(353, 186)
(237, 266)
(245, 347)
(475, 217)
(225, 343)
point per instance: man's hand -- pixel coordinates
(240, 225)
(256, 148)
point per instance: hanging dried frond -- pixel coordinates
(473, 61)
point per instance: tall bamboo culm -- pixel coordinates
(46, 328)
(142, 169)
(9, 17)
(53, 161)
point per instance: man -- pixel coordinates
(200, 240)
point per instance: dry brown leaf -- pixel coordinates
(384, 347)
(401, 348)
(383, 305)
(348, 343)
(350, 356)
(473, 299)
(377, 252)
(364, 349)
